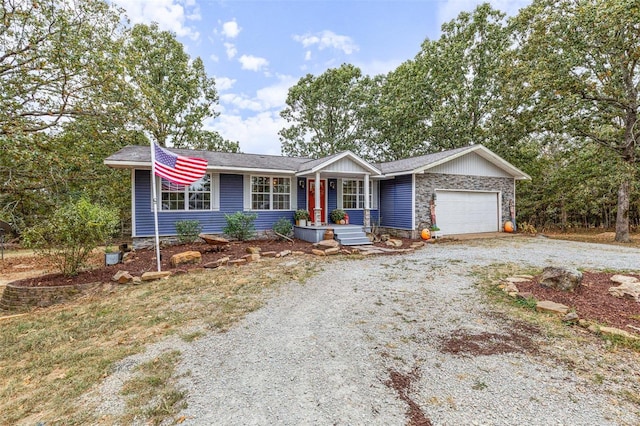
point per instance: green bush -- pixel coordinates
(72, 232)
(240, 225)
(337, 215)
(283, 227)
(188, 230)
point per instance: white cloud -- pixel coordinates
(252, 63)
(224, 83)
(257, 134)
(231, 29)
(307, 55)
(328, 39)
(275, 96)
(214, 58)
(171, 15)
(231, 50)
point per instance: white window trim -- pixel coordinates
(215, 196)
(373, 189)
(293, 194)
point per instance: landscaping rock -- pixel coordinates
(559, 278)
(284, 253)
(254, 250)
(269, 254)
(570, 317)
(237, 262)
(136, 280)
(318, 252)
(628, 289)
(150, 276)
(417, 244)
(510, 288)
(254, 257)
(624, 279)
(122, 277)
(393, 242)
(516, 280)
(384, 237)
(612, 331)
(185, 257)
(327, 244)
(551, 307)
(332, 250)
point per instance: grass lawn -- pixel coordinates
(50, 357)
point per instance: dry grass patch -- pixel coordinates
(51, 357)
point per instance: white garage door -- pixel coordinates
(461, 212)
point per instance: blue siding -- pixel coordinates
(332, 197)
(302, 194)
(356, 216)
(395, 202)
(231, 201)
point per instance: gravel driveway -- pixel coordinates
(325, 352)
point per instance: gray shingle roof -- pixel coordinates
(410, 164)
(141, 155)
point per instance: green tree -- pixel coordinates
(56, 61)
(577, 70)
(174, 95)
(325, 113)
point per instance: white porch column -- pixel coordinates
(367, 207)
(317, 211)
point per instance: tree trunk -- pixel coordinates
(622, 218)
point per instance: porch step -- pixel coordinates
(351, 236)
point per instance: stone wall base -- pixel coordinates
(149, 242)
(402, 233)
(20, 298)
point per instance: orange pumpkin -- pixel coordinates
(508, 226)
(425, 234)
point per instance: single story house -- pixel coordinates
(464, 190)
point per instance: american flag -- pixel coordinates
(176, 168)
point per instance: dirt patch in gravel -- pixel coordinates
(461, 342)
(592, 300)
(401, 383)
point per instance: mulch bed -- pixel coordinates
(592, 300)
(144, 260)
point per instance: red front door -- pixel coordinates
(311, 196)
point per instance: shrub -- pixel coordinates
(240, 225)
(283, 227)
(72, 232)
(301, 214)
(188, 230)
(337, 215)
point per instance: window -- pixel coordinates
(270, 193)
(196, 196)
(353, 194)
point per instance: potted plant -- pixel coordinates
(111, 255)
(301, 217)
(435, 231)
(337, 216)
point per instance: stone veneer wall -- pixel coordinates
(15, 298)
(427, 184)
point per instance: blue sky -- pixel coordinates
(256, 50)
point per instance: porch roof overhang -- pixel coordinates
(343, 164)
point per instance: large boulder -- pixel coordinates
(559, 278)
(629, 287)
(185, 257)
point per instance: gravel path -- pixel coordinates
(323, 352)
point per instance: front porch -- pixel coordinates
(346, 235)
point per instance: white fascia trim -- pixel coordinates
(484, 153)
(349, 154)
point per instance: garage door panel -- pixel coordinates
(460, 212)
